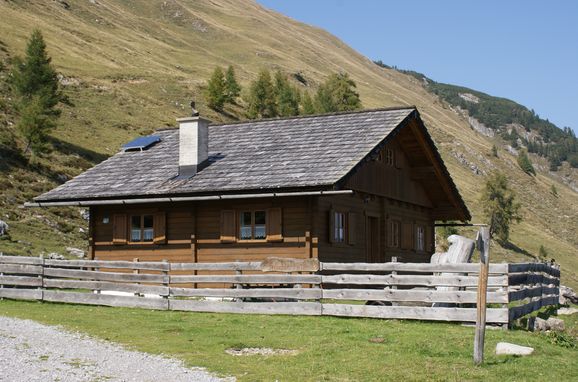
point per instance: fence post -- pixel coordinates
(167, 282)
(483, 243)
(393, 273)
(136, 272)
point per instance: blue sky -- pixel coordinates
(523, 50)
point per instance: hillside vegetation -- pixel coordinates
(131, 67)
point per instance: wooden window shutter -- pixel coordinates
(274, 225)
(160, 228)
(407, 241)
(331, 225)
(119, 228)
(351, 227)
(228, 226)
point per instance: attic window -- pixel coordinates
(389, 157)
(141, 143)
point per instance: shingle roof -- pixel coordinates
(313, 151)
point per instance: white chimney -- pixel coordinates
(193, 145)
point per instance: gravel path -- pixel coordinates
(30, 351)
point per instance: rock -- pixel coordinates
(506, 348)
(55, 256)
(76, 252)
(555, 324)
(567, 311)
(567, 295)
(85, 214)
(3, 228)
(62, 178)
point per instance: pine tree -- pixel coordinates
(337, 93)
(525, 163)
(307, 107)
(543, 253)
(500, 206)
(261, 97)
(37, 93)
(494, 151)
(232, 87)
(216, 90)
(554, 190)
(287, 97)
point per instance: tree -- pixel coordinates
(232, 87)
(525, 163)
(554, 190)
(337, 93)
(37, 92)
(307, 106)
(500, 206)
(494, 151)
(287, 96)
(543, 253)
(261, 97)
(216, 96)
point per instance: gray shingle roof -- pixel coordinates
(315, 151)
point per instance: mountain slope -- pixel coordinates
(131, 67)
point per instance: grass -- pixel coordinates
(329, 349)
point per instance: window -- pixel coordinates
(253, 225)
(389, 157)
(420, 238)
(141, 228)
(339, 227)
(395, 234)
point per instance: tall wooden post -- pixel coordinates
(483, 242)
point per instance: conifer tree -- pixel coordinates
(261, 97)
(494, 151)
(337, 93)
(500, 206)
(525, 163)
(307, 106)
(216, 95)
(287, 96)
(232, 87)
(37, 93)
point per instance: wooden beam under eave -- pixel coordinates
(423, 173)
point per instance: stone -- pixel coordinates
(55, 256)
(537, 324)
(76, 252)
(3, 228)
(567, 295)
(506, 348)
(555, 324)
(567, 311)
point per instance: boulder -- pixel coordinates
(555, 324)
(76, 252)
(537, 324)
(567, 311)
(567, 295)
(506, 348)
(55, 256)
(3, 228)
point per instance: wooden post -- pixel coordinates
(135, 271)
(394, 260)
(483, 241)
(167, 280)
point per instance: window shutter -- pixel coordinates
(407, 236)
(159, 226)
(331, 225)
(228, 226)
(119, 228)
(274, 225)
(351, 227)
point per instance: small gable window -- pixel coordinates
(141, 228)
(394, 233)
(420, 238)
(253, 225)
(389, 157)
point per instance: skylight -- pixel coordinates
(141, 143)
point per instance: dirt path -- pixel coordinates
(30, 351)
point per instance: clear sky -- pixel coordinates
(523, 50)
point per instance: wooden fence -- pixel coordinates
(443, 292)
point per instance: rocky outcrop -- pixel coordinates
(537, 324)
(567, 295)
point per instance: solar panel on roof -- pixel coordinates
(141, 143)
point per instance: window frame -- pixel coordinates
(389, 157)
(336, 227)
(395, 233)
(420, 239)
(142, 228)
(253, 212)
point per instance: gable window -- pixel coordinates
(394, 233)
(338, 227)
(420, 238)
(141, 228)
(389, 157)
(253, 225)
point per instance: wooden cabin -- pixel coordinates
(345, 187)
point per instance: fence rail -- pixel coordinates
(444, 292)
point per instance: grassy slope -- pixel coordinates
(330, 349)
(135, 66)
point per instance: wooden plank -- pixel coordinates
(404, 295)
(418, 280)
(106, 286)
(296, 293)
(280, 264)
(143, 265)
(547, 268)
(531, 278)
(529, 292)
(20, 260)
(413, 267)
(290, 308)
(104, 276)
(240, 266)
(522, 310)
(21, 280)
(247, 279)
(499, 315)
(21, 269)
(106, 300)
(21, 294)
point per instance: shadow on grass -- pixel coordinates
(68, 148)
(514, 248)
